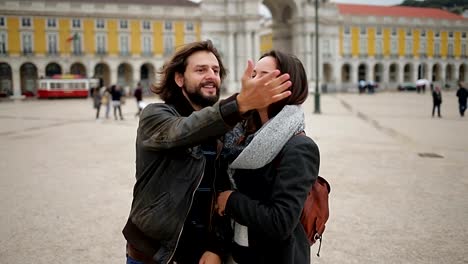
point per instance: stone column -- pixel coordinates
(16, 85)
(308, 55)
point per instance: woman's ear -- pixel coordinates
(179, 79)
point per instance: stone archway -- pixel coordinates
(327, 73)
(52, 69)
(378, 72)
(346, 73)
(362, 72)
(462, 71)
(78, 69)
(125, 76)
(408, 72)
(102, 72)
(147, 75)
(6, 83)
(393, 73)
(436, 70)
(28, 76)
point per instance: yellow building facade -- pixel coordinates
(121, 45)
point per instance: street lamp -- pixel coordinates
(317, 91)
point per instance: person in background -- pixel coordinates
(178, 173)
(274, 166)
(138, 94)
(116, 94)
(462, 95)
(436, 100)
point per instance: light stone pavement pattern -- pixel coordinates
(66, 180)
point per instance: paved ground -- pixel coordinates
(66, 180)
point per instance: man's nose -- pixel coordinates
(210, 74)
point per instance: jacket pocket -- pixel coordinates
(156, 219)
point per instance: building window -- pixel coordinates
(123, 24)
(423, 33)
(168, 45)
(2, 21)
(101, 43)
(77, 44)
(26, 42)
(363, 30)
(379, 31)
(3, 43)
(146, 45)
(450, 49)
(378, 47)
(52, 43)
(51, 23)
(346, 46)
(394, 46)
(450, 34)
(464, 35)
(394, 31)
(168, 26)
(26, 22)
(436, 48)
(100, 24)
(409, 47)
(189, 26)
(146, 25)
(422, 47)
(409, 32)
(124, 45)
(463, 50)
(437, 34)
(363, 46)
(76, 23)
(347, 30)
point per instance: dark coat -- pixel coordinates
(169, 167)
(436, 97)
(270, 201)
(462, 95)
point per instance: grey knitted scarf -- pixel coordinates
(262, 147)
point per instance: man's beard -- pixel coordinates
(196, 96)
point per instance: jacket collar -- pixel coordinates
(181, 104)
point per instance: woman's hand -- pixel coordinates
(221, 202)
(209, 258)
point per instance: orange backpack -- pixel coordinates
(316, 212)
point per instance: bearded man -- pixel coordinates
(178, 170)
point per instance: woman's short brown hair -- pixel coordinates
(290, 64)
(166, 87)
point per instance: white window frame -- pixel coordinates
(5, 35)
(409, 46)
(166, 28)
(450, 49)
(51, 19)
(363, 45)
(379, 46)
(347, 45)
(347, 30)
(394, 46)
(168, 49)
(378, 31)
(30, 22)
(436, 48)
(463, 49)
(422, 47)
(124, 50)
(80, 41)
(144, 37)
(143, 22)
(56, 42)
(79, 23)
(125, 22)
(4, 21)
(22, 41)
(363, 30)
(187, 28)
(98, 24)
(104, 37)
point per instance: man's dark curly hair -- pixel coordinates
(166, 87)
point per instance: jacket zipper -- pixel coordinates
(186, 215)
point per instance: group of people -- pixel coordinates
(115, 96)
(462, 94)
(222, 181)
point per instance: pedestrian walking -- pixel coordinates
(462, 94)
(138, 94)
(172, 218)
(96, 100)
(436, 100)
(116, 94)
